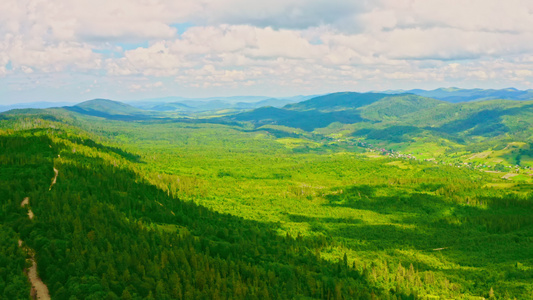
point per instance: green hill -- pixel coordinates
(337, 101)
(344, 108)
(456, 95)
(307, 120)
(394, 107)
(425, 127)
(110, 109)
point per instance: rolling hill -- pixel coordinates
(456, 95)
(307, 120)
(426, 127)
(474, 118)
(337, 101)
(345, 108)
(110, 110)
(203, 105)
(394, 108)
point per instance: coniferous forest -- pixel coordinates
(264, 205)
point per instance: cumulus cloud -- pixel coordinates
(119, 20)
(288, 14)
(52, 58)
(291, 44)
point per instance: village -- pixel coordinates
(510, 170)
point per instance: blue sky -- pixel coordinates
(64, 50)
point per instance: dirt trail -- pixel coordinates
(54, 179)
(25, 202)
(39, 290)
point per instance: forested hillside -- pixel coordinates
(102, 231)
(212, 209)
(111, 110)
(423, 127)
(456, 95)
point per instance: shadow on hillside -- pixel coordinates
(106, 149)
(484, 123)
(369, 197)
(86, 142)
(308, 120)
(491, 231)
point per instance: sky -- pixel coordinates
(74, 50)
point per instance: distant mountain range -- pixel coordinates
(123, 111)
(191, 105)
(34, 105)
(344, 108)
(405, 122)
(182, 103)
(111, 110)
(377, 116)
(456, 95)
(375, 112)
(178, 104)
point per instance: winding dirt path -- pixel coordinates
(39, 290)
(54, 179)
(25, 202)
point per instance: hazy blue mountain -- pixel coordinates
(274, 102)
(150, 102)
(174, 106)
(110, 109)
(212, 104)
(345, 108)
(456, 95)
(34, 105)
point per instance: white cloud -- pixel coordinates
(297, 44)
(50, 57)
(146, 86)
(155, 60)
(128, 20)
(292, 14)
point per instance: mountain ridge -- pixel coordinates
(110, 109)
(456, 95)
